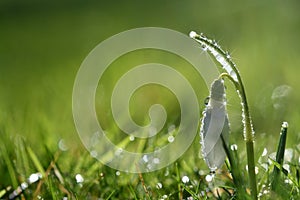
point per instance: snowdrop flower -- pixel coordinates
(215, 125)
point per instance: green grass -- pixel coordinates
(42, 45)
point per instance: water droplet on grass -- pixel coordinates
(234, 147)
(34, 177)
(288, 181)
(285, 125)
(185, 179)
(206, 100)
(228, 55)
(171, 138)
(158, 185)
(204, 47)
(265, 152)
(131, 138)
(118, 173)
(62, 145)
(287, 167)
(209, 177)
(192, 34)
(24, 185)
(256, 169)
(79, 178)
(145, 158)
(167, 172)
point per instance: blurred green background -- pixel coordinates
(42, 44)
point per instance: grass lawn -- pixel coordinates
(42, 45)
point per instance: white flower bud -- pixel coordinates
(214, 125)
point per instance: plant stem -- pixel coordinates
(279, 155)
(225, 60)
(248, 132)
(236, 175)
(251, 168)
(249, 138)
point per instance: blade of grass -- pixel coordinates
(235, 171)
(279, 155)
(193, 194)
(180, 195)
(110, 195)
(281, 169)
(133, 192)
(9, 165)
(36, 161)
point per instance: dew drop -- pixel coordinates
(145, 158)
(206, 101)
(171, 138)
(256, 169)
(192, 34)
(62, 145)
(209, 178)
(131, 138)
(79, 178)
(265, 152)
(185, 179)
(24, 185)
(234, 147)
(287, 181)
(158, 185)
(34, 177)
(167, 172)
(285, 125)
(287, 167)
(204, 47)
(259, 194)
(118, 173)
(228, 55)
(266, 191)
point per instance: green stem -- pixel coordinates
(215, 50)
(279, 156)
(251, 168)
(248, 133)
(236, 175)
